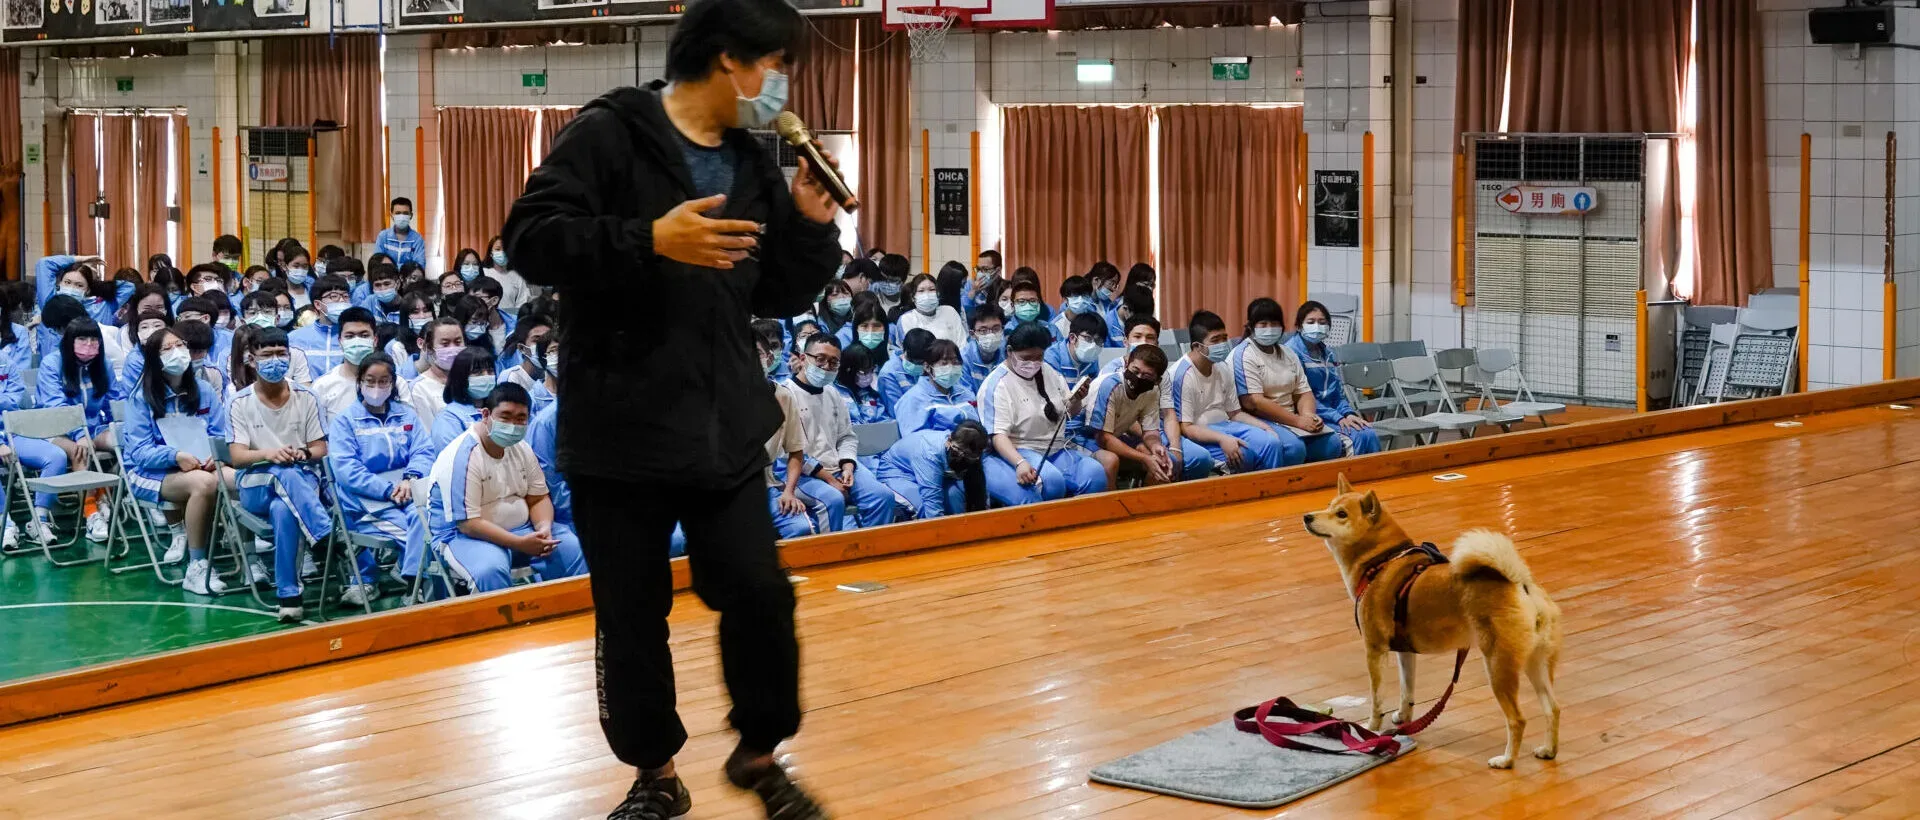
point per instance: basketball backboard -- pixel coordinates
(979, 13)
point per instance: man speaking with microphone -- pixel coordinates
(659, 196)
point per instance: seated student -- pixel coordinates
(1196, 461)
(469, 381)
(513, 286)
(44, 458)
(383, 294)
(75, 374)
(835, 309)
(543, 434)
(321, 340)
(202, 365)
(301, 278)
(1123, 418)
(794, 341)
(1077, 353)
(1025, 405)
(1105, 279)
(337, 388)
(787, 446)
(467, 264)
(472, 315)
(898, 374)
(527, 369)
(127, 340)
(401, 243)
(209, 282)
(276, 437)
(858, 380)
(144, 299)
(1323, 373)
(860, 274)
(258, 310)
(941, 400)
(928, 313)
(499, 323)
(378, 448)
(892, 280)
(986, 346)
(207, 311)
(834, 477)
(938, 472)
(1027, 308)
(1272, 387)
(1076, 299)
(1133, 302)
(157, 470)
(490, 504)
(1141, 276)
(441, 345)
(869, 327)
(80, 279)
(986, 271)
(1208, 407)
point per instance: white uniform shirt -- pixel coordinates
(513, 289)
(1011, 406)
(468, 482)
(1109, 407)
(945, 324)
(825, 425)
(424, 394)
(254, 425)
(1277, 376)
(1202, 398)
(787, 439)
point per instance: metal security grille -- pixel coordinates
(1557, 226)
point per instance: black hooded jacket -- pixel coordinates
(660, 376)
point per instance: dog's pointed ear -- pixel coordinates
(1343, 487)
(1370, 506)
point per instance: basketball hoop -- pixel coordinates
(927, 28)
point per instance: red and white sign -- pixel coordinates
(1554, 201)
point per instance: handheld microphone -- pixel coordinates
(795, 132)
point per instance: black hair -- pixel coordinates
(461, 258)
(871, 311)
(142, 291)
(530, 321)
(198, 335)
(399, 201)
(940, 349)
(70, 367)
(328, 284)
(1075, 286)
(824, 311)
(1140, 274)
(154, 378)
(486, 285)
(226, 243)
(260, 298)
(913, 286)
(346, 267)
(266, 337)
(358, 314)
(1029, 336)
(745, 30)
(914, 345)
(861, 268)
(201, 304)
(1013, 290)
(60, 311)
(894, 267)
(971, 438)
(1152, 355)
(986, 310)
(995, 256)
(467, 309)
(766, 333)
(1089, 323)
(469, 360)
(1203, 323)
(1309, 306)
(383, 271)
(331, 252)
(7, 306)
(951, 281)
(373, 360)
(1139, 319)
(1137, 301)
(505, 392)
(1104, 270)
(854, 360)
(1264, 309)
(410, 339)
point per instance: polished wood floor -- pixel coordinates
(1743, 639)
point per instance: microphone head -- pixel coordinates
(791, 129)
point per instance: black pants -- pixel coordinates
(625, 530)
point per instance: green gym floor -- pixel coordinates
(56, 618)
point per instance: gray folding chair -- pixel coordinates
(876, 438)
(1401, 350)
(47, 424)
(1358, 352)
(139, 512)
(1466, 362)
(243, 526)
(1377, 377)
(1420, 374)
(1696, 334)
(1108, 354)
(1493, 362)
(354, 541)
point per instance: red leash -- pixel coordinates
(1356, 738)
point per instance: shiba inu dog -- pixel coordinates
(1409, 599)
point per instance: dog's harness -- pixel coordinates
(1280, 720)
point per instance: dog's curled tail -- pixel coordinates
(1484, 555)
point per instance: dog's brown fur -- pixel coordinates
(1484, 598)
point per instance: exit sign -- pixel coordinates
(536, 79)
(1236, 69)
(123, 84)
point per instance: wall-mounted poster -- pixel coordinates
(169, 13)
(1336, 209)
(28, 21)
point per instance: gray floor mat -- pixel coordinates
(1220, 764)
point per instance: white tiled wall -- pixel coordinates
(1848, 105)
(1347, 63)
(950, 102)
(1435, 318)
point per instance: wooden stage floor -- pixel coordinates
(1743, 640)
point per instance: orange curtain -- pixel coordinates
(823, 83)
(1076, 188)
(1582, 66)
(310, 79)
(83, 170)
(153, 150)
(10, 165)
(117, 169)
(551, 121)
(1731, 220)
(886, 143)
(1482, 49)
(485, 156)
(1229, 207)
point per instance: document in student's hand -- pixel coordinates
(188, 434)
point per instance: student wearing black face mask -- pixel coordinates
(938, 472)
(1122, 427)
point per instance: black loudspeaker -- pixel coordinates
(1852, 25)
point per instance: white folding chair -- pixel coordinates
(1420, 374)
(1377, 377)
(1493, 362)
(47, 424)
(1466, 362)
(243, 526)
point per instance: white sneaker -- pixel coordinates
(12, 537)
(262, 545)
(359, 595)
(257, 572)
(292, 614)
(176, 550)
(39, 531)
(97, 527)
(308, 569)
(201, 580)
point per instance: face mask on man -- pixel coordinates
(1314, 331)
(986, 274)
(759, 111)
(989, 343)
(505, 434)
(818, 376)
(1077, 305)
(334, 309)
(1138, 385)
(402, 222)
(1218, 353)
(1026, 311)
(357, 350)
(1267, 336)
(885, 288)
(926, 303)
(272, 370)
(174, 362)
(1086, 352)
(385, 295)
